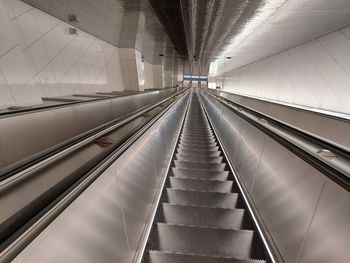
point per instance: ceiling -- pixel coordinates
(204, 33)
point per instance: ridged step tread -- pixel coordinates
(198, 158)
(167, 257)
(203, 185)
(198, 144)
(199, 174)
(206, 135)
(200, 166)
(205, 241)
(208, 153)
(202, 138)
(197, 133)
(204, 216)
(201, 198)
(197, 129)
(197, 147)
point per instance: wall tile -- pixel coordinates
(17, 69)
(5, 94)
(8, 37)
(28, 27)
(18, 7)
(31, 93)
(39, 55)
(314, 74)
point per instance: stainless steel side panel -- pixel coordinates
(328, 239)
(106, 222)
(28, 134)
(286, 192)
(248, 153)
(306, 214)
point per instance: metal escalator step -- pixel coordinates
(197, 134)
(201, 198)
(197, 128)
(205, 241)
(203, 216)
(199, 174)
(198, 148)
(200, 166)
(208, 153)
(204, 133)
(196, 158)
(203, 185)
(198, 140)
(168, 257)
(198, 144)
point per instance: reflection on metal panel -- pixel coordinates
(32, 133)
(106, 222)
(249, 151)
(305, 213)
(286, 192)
(331, 243)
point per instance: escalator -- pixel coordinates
(202, 216)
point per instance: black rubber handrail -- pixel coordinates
(303, 144)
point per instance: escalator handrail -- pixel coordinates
(18, 173)
(301, 142)
(39, 108)
(65, 199)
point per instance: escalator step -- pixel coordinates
(197, 148)
(207, 141)
(206, 199)
(203, 185)
(199, 136)
(199, 174)
(198, 144)
(161, 257)
(196, 134)
(200, 166)
(205, 241)
(203, 216)
(209, 153)
(196, 158)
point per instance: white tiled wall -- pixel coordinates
(158, 76)
(38, 58)
(149, 78)
(129, 68)
(314, 74)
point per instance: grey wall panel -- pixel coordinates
(306, 214)
(331, 243)
(286, 191)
